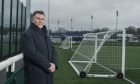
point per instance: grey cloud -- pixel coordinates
(103, 11)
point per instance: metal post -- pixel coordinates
(96, 46)
(10, 42)
(25, 24)
(71, 42)
(28, 15)
(48, 15)
(21, 19)
(16, 26)
(58, 24)
(2, 18)
(91, 22)
(71, 25)
(117, 20)
(9, 73)
(123, 52)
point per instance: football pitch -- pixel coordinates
(66, 75)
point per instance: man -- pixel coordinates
(39, 54)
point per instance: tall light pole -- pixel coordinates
(117, 14)
(28, 9)
(91, 22)
(71, 25)
(48, 15)
(58, 24)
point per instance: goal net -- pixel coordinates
(66, 43)
(100, 55)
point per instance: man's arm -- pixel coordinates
(29, 49)
(54, 57)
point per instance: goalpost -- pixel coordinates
(100, 55)
(66, 43)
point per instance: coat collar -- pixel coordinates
(35, 27)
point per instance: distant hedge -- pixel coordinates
(133, 44)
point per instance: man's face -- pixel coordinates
(39, 20)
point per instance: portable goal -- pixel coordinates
(66, 43)
(100, 54)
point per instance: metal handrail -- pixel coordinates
(10, 61)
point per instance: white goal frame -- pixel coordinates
(97, 49)
(84, 72)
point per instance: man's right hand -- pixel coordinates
(52, 67)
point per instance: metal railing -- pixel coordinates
(16, 78)
(13, 77)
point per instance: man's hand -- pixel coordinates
(52, 67)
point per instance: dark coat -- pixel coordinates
(38, 54)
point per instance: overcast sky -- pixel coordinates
(103, 11)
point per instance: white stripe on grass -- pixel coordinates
(133, 68)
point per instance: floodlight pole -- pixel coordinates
(48, 15)
(71, 25)
(117, 13)
(71, 35)
(91, 22)
(58, 23)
